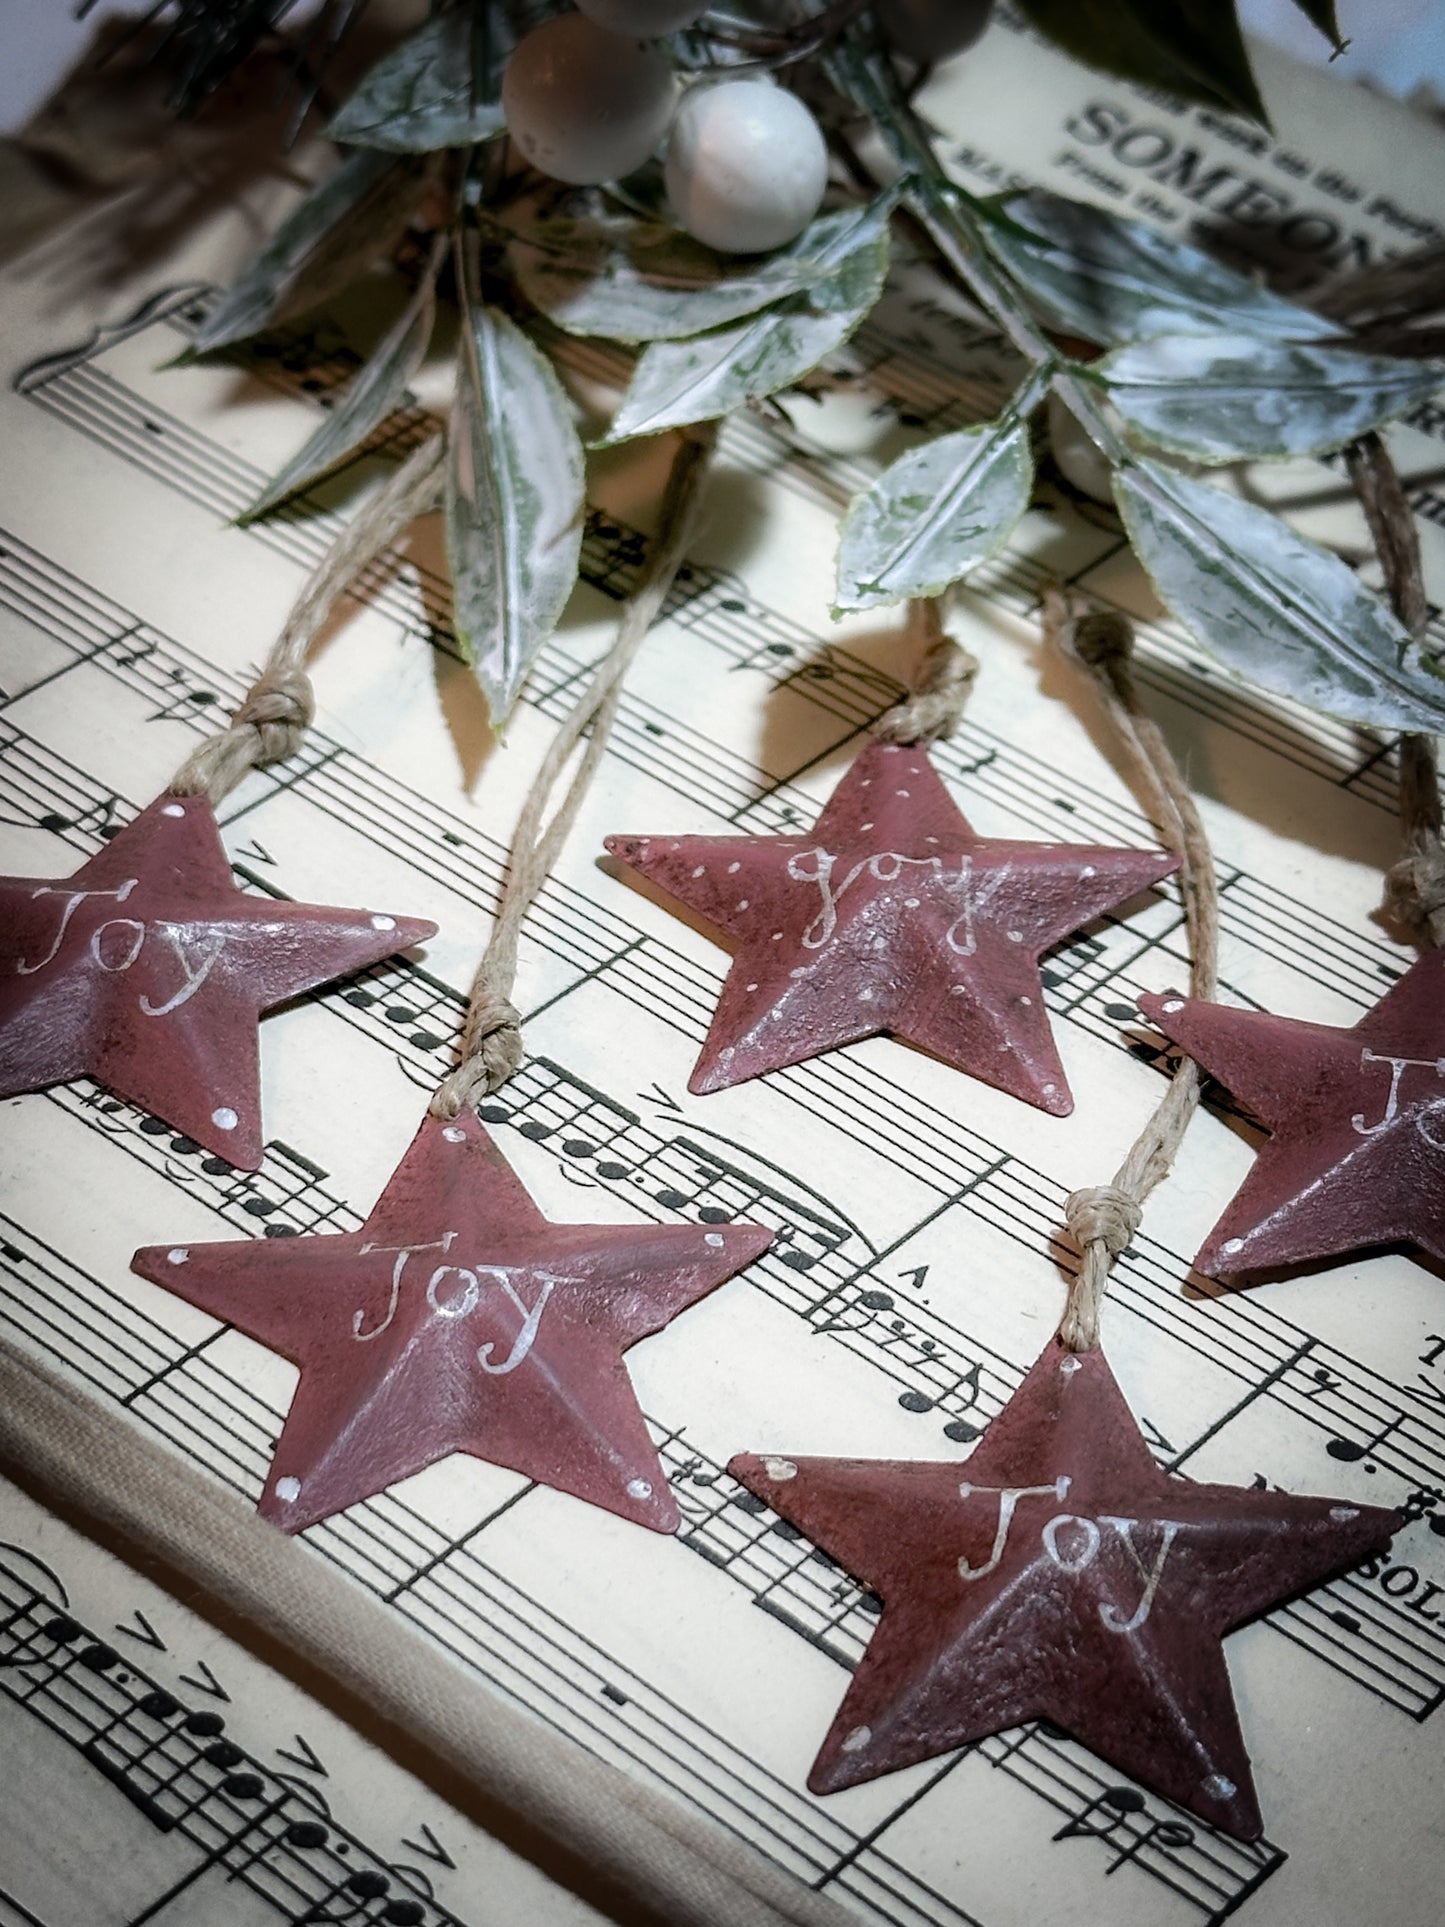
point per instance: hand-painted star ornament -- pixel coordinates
(458, 1319)
(148, 970)
(1356, 1156)
(891, 915)
(1059, 1573)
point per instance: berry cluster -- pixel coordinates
(589, 97)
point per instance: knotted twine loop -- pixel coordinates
(280, 705)
(491, 1042)
(1415, 885)
(1102, 1218)
(933, 710)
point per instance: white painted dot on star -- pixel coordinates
(930, 839)
(1219, 1788)
(1175, 1003)
(715, 1239)
(959, 990)
(639, 1489)
(1015, 936)
(1342, 1514)
(1070, 1366)
(672, 846)
(744, 904)
(865, 996)
(224, 1118)
(177, 1255)
(777, 936)
(733, 869)
(288, 1490)
(454, 1134)
(1050, 1090)
(902, 792)
(383, 923)
(172, 809)
(1234, 1244)
(701, 870)
(780, 1469)
(855, 1741)
(1027, 1002)
(866, 784)
(865, 826)
(1087, 871)
(910, 903)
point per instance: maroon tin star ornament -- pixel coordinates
(458, 1319)
(1356, 1155)
(1059, 1573)
(891, 915)
(148, 970)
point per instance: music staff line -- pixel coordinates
(174, 1763)
(448, 1588)
(132, 428)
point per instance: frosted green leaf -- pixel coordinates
(1274, 607)
(378, 389)
(324, 243)
(1223, 398)
(641, 281)
(513, 503)
(934, 513)
(440, 88)
(1113, 280)
(677, 382)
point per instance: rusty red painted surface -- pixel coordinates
(1356, 1155)
(890, 915)
(1059, 1573)
(458, 1319)
(148, 970)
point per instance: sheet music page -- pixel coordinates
(917, 1268)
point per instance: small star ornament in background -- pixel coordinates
(148, 970)
(1059, 1573)
(458, 1319)
(891, 915)
(1356, 1155)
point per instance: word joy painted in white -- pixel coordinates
(1072, 1542)
(816, 867)
(455, 1291)
(115, 943)
(1423, 1117)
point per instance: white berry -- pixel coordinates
(585, 105)
(929, 29)
(1076, 455)
(746, 166)
(645, 17)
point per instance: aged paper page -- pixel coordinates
(918, 1264)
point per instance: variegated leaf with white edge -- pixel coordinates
(325, 243)
(379, 388)
(935, 513)
(707, 375)
(631, 280)
(1274, 607)
(1232, 397)
(1113, 280)
(514, 503)
(440, 88)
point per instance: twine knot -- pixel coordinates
(1415, 887)
(1102, 1214)
(491, 1053)
(1102, 636)
(932, 712)
(280, 708)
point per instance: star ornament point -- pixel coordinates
(1059, 1573)
(1356, 1153)
(891, 914)
(149, 970)
(459, 1319)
